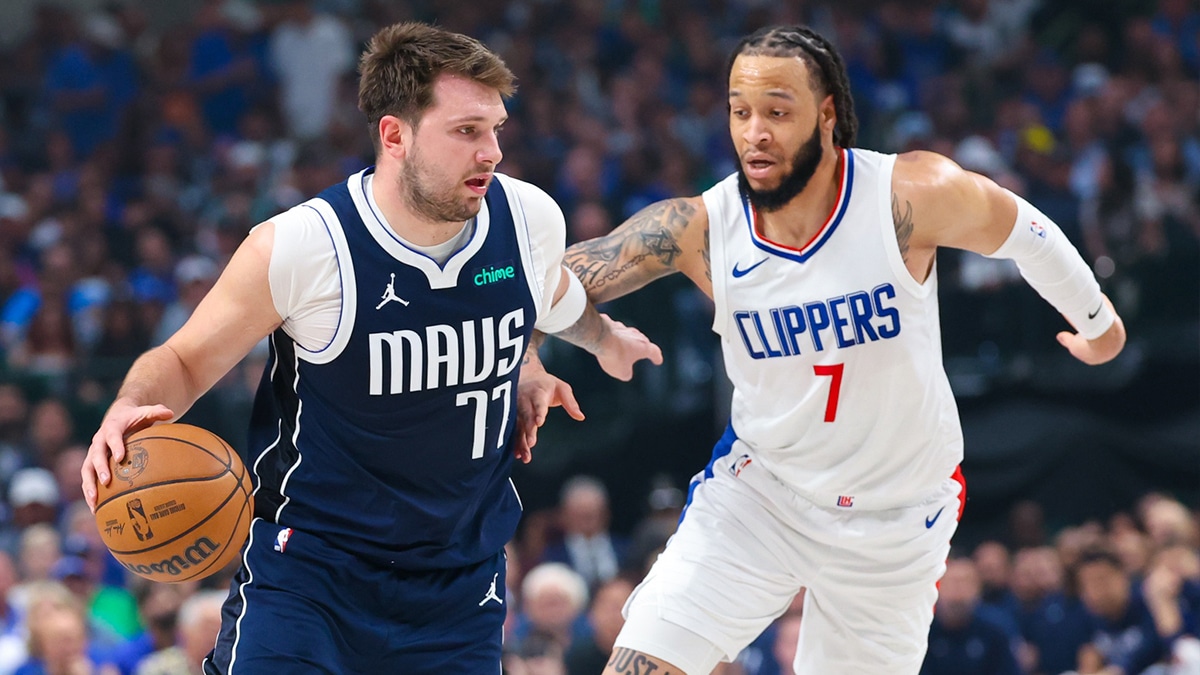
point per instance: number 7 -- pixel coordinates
(835, 386)
(480, 399)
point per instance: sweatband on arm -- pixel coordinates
(1050, 264)
(564, 313)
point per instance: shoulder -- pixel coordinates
(527, 196)
(921, 170)
(940, 193)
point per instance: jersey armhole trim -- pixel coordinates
(891, 247)
(349, 292)
(535, 270)
(716, 206)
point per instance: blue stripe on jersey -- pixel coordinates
(398, 448)
(800, 255)
(723, 447)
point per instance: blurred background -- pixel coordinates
(140, 141)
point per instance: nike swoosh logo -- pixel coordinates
(737, 273)
(930, 521)
(1091, 315)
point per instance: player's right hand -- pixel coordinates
(122, 419)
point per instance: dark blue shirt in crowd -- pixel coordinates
(1057, 627)
(1130, 643)
(981, 648)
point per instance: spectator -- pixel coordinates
(1131, 631)
(33, 499)
(553, 597)
(588, 656)
(310, 52)
(194, 276)
(199, 623)
(960, 639)
(1053, 624)
(58, 636)
(587, 545)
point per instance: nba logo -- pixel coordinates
(281, 539)
(845, 501)
(1037, 229)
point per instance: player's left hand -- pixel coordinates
(537, 392)
(624, 346)
(1099, 350)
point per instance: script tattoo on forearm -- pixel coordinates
(644, 248)
(630, 662)
(707, 258)
(902, 217)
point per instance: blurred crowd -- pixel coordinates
(135, 156)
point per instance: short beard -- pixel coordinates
(804, 165)
(432, 204)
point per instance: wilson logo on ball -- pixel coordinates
(134, 463)
(191, 556)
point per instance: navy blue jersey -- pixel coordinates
(397, 447)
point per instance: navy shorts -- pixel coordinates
(299, 605)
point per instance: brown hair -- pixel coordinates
(402, 62)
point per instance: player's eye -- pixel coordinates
(466, 131)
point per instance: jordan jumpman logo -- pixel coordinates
(491, 594)
(389, 294)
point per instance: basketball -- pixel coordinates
(179, 504)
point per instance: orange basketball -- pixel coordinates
(178, 506)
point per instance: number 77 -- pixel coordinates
(835, 386)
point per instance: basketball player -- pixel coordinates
(839, 469)
(398, 306)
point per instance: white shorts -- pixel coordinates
(747, 543)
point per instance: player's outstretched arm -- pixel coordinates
(164, 382)
(665, 237)
(574, 318)
(930, 195)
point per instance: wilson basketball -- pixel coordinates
(178, 506)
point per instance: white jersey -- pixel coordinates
(834, 350)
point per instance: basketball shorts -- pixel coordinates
(747, 543)
(299, 605)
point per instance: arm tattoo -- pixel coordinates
(588, 332)
(644, 248)
(903, 220)
(707, 258)
(627, 661)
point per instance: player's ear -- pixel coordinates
(828, 113)
(395, 136)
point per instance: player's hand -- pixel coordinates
(536, 394)
(1099, 350)
(122, 419)
(624, 346)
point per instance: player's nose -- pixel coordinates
(490, 152)
(755, 131)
